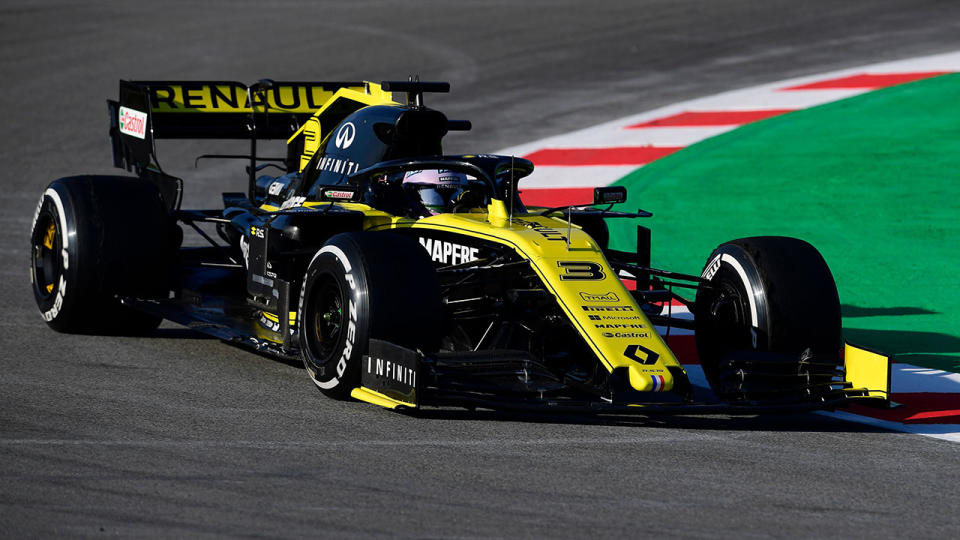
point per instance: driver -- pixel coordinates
(437, 190)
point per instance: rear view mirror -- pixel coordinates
(609, 195)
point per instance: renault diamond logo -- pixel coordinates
(345, 135)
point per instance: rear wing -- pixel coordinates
(150, 110)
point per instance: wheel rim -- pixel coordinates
(728, 313)
(326, 321)
(729, 308)
(45, 259)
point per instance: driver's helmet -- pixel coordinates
(438, 190)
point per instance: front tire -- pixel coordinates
(767, 295)
(363, 285)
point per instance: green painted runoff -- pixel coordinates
(871, 181)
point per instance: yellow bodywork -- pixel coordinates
(376, 398)
(867, 372)
(594, 290)
(312, 131)
(601, 308)
(272, 317)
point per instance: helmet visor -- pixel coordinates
(438, 199)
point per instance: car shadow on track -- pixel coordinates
(178, 333)
(849, 310)
(929, 349)
(799, 422)
(774, 422)
(186, 333)
(936, 350)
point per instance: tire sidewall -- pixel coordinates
(338, 262)
(55, 204)
(731, 264)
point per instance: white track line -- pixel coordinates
(908, 378)
(675, 137)
(582, 176)
(947, 432)
(765, 96)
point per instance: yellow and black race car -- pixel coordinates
(408, 278)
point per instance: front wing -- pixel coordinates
(402, 379)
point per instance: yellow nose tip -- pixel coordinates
(642, 381)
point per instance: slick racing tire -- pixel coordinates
(96, 238)
(363, 285)
(767, 294)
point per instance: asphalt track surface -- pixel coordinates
(178, 435)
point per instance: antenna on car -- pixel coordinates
(512, 188)
(418, 96)
(259, 90)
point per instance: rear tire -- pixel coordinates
(363, 285)
(96, 238)
(768, 294)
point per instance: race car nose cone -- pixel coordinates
(645, 381)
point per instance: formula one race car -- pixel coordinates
(408, 278)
